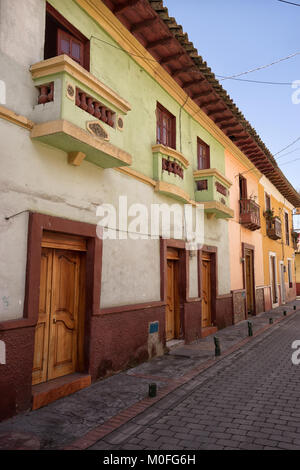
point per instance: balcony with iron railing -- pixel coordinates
(274, 228)
(250, 214)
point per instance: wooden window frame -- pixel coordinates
(290, 273)
(267, 198)
(201, 143)
(243, 186)
(63, 25)
(171, 131)
(287, 228)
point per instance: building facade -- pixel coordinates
(109, 111)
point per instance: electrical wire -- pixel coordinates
(223, 77)
(256, 81)
(290, 3)
(288, 146)
(263, 66)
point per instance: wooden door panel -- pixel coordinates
(206, 292)
(170, 309)
(40, 360)
(249, 274)
(64, 314)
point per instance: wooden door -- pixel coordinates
(206, 289)
(249, 274)
(172, 308)
(282, 283)
(273, 280)
(56, 340)
(40, 360)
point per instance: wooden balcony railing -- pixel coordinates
(250, 214)
(274, 230)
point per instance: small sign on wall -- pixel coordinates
(2, 353)
(153, 327)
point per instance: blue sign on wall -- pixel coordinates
(153, 328)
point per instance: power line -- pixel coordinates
(288, 153)
(233, 77)
(255, 81)
(290, 161)
(263, 66)
(288, 146)
(290, 3)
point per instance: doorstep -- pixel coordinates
(47, 392)
(174, 343)
(209, 330)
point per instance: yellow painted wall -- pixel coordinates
(279, 247)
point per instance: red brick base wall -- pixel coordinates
(192, 321)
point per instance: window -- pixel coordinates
(243, 187)
(287, 234)
(268, 202)
(166, 127)
(61, 37)
(203, 155)
(290, 273)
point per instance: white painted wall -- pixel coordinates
(22, 26)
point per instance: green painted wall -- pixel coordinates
(119, 71)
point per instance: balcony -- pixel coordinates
(295, 239)
(274, 230)
(78, 114)
(250, 214)
(212, 190)
(169, 170)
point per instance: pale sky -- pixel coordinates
(234, 36)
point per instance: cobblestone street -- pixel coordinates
(250, 400)
(246, 399)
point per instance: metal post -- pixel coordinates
(270, 321)
(217, 346)
(250, 328)
(152, 390)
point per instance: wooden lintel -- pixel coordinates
(190, 83)
(125, 5)
(76, 158)
(159, 42)
(185, 70)
(143, 24)
(202, 94)
(216, 111)
(169, 58)
(224, 119)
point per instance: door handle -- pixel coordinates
(54, 320)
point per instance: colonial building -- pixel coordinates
(108, 106)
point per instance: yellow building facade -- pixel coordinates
(277, 243)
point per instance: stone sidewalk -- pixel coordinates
(80, 420)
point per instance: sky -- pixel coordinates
(235, 36)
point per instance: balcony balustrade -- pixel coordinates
(78, 114)
(250, 214)
(274, 229)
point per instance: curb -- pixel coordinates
(98, 433)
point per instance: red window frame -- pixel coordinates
(203, 155)
(287, 228)
(165, 127)
(61, 29)
(63, 36)
(243, 187)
